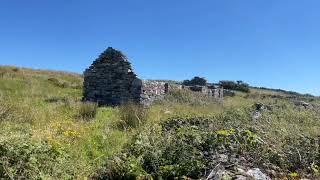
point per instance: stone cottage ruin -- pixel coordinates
(110, 80)
(210, 90)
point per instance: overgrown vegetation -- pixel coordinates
(238, 86)
(48, 133)
(87, 110)
(132, 115)
(192, 146)
(200, 81)
(21, 158)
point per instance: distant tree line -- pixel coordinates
(232, 85)
(235, 85)
(196, 81)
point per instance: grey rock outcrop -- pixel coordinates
(220, 173)
(257, 174)
(302, 104)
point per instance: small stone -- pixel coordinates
(226, 176)
(241, 171)
(240, 177)
(167, 112)
(257, 174)
(223, 158)
(217, 173)
(256, 115)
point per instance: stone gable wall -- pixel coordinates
(111, 81)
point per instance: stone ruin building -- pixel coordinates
(210, 90)
(110, 80)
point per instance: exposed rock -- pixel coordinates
(259, 109)
(257, 174)
(217, 173)
(223, 158)
(302, 104)
(240, 177)
(227, 92)
(221, 173)
(256, 115)
(262, 107)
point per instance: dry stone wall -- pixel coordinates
(211, 91)
(111, 81)
(153, 90)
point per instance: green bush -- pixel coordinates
(238, 86)
(58, 83)
(301, 154)
(21, 158)
(132, 115)
(122, 167)
(5, 111)
(14, 112)
(195, 81)
(192, 146)
(187, 147)
(87, 110)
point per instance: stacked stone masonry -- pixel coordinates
(211, 91)
(111, 81)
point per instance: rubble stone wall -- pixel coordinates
(216, 92)
(153, 90)
(111, 81)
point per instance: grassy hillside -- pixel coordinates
(47, 132)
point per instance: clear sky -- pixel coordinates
(272, 43)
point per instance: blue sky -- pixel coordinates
(272, 43)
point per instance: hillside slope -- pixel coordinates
(47, 132)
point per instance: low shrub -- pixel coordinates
(132, 115)
(57, 100)
(5, 111)
(239, 86)
(195, 81)
(21, 158)
(193, 146)
(15, 69)
(87, 110)
(58, 83)
(123, 167)
(15, 112)
(189, 149)
(301, 154)
(65, 84)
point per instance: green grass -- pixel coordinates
(50, 113)
(43, 110)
